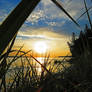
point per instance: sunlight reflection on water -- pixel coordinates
(23, 64)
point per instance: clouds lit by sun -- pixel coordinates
(43, 40)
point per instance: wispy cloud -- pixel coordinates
(47, 10)
(41, 33)
(36, 16)
(55, 41)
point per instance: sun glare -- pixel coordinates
(40, 47)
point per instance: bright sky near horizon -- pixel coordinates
(48, 24)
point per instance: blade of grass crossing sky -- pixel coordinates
(14, 21)
(84, 13)
(60, 6)
(88, 14)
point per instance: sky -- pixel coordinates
(48, 24)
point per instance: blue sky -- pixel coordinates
(48, 19)
(47, 14)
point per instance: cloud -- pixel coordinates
(40, 33)
(73, 7)
(59, 24)
(55, 41)
(35, 16)
(47, 11)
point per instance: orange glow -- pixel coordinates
(43, 41)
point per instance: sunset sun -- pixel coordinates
(40, 47)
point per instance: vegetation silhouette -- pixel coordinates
(82, 44)
(55, 75)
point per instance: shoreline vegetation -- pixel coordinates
(52, 75)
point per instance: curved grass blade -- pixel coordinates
(9, 49)
(14, 59)
(17, 57)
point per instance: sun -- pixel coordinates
(40, 47)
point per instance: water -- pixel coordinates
(25, 63)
